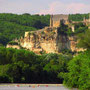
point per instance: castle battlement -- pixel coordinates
(55, 20)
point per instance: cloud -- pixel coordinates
(66, 8)
(43, 7)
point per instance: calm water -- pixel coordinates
(32, 88)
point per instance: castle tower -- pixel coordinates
(51, 21)
(73, 28)
(84, 19)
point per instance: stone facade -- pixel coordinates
(56, 19)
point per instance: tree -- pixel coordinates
(78, 75)
(13, 25)
(84, 39)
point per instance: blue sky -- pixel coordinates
(45, 6)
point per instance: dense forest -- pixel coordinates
(14, 26)
(78, 17)
(27, 67)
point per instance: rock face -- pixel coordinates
(13, 46)
(48, 40)
(42, 40)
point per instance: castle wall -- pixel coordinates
(55, 20)
(56, 23)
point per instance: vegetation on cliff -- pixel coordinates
(78, 17)
(84, 39)
(66, 30)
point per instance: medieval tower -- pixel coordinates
(56, 19)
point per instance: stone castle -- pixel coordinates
(49, 39)
(56, 19)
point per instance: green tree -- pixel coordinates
(84, 40)
(79, 72)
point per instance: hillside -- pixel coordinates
(14, 26)
(78, 17)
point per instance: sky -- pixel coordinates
(45, 6)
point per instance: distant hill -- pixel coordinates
(13, 25)
(78, 17)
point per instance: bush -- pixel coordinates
(4, 79)
(13, 43)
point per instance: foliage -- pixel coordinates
(79, 72)
(63, 29)
(27, 67)
(67, 51)
(10, 31)
(14, 26)
(80, 28)
(36, 21)
(78, 17)
(13, 43)
(84, 39)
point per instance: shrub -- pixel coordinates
(13, 43)
(4, 79)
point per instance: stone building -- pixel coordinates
(55, 20)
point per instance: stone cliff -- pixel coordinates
(13, 46)
(48, 40)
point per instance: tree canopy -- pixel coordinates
(22, 66)
(14, 26)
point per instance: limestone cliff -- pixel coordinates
(13, 46)
(48, 40)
